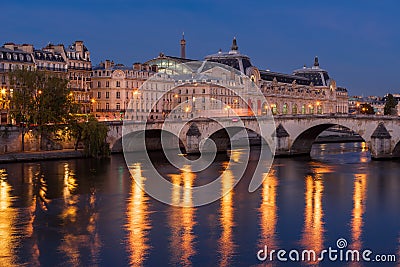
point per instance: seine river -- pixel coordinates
(91, 213)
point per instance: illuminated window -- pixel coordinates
(285, 109)
(294, 109)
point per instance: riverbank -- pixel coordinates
(41, 155)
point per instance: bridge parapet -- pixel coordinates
(295, 134)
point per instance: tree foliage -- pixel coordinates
(94, 136)
(390, 105)
(44, 101)
(40, 98)
(366, 109)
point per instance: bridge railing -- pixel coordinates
(281, 116)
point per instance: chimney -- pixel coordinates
(10, 46)
(146, 67)
(108, 64)
(28, 48)
(183, 46)
(137, 66)
(154, 68)
(79, 46)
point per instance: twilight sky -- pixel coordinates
(357, 41)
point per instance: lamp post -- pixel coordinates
(228, 108)
(135, 97)
(187, 109)
(318, 104)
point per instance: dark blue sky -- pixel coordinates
(357, 41)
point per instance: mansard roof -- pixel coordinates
(48, 56)
(15, 55)
(283, 78)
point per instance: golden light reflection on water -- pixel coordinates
(235, 155)
(359, 201)
(7, 216)
(313, 232)
(81, 233)
(364, 147)
(182, 220)
(138, 223)
(225, 243)
(268, 211)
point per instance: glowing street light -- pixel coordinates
(227, 107)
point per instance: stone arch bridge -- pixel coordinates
(293, 135)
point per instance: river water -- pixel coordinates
(85, 212)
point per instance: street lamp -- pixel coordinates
(135, 97)
(319, 110)
(187, 110)
(228, 108)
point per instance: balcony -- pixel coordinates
(79, 68)
(51, 69)
(111, 110)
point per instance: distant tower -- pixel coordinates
(234, 47)
(183, 46)
(316, 62)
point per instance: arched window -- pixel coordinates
(319, 109)
(265, 108)
(294, 109)
(303, 109)
(274, 109)
(285, 109)
(310, 109)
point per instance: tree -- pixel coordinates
(43, 101)
(367, 109)
(390, 105)
(40, 99)
(94, 136)
(24, 98)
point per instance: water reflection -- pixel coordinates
(138, 224)
(313, 232)
(7, 215)
(341, 153)
(81, 241)
(225, 243)
(182, 220)
(268, 211)
(359, 201)
(66, 213)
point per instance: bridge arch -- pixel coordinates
(221, 132)
(302, 143)
(133, 141)
(230, 137)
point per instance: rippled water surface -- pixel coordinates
(86, 213)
